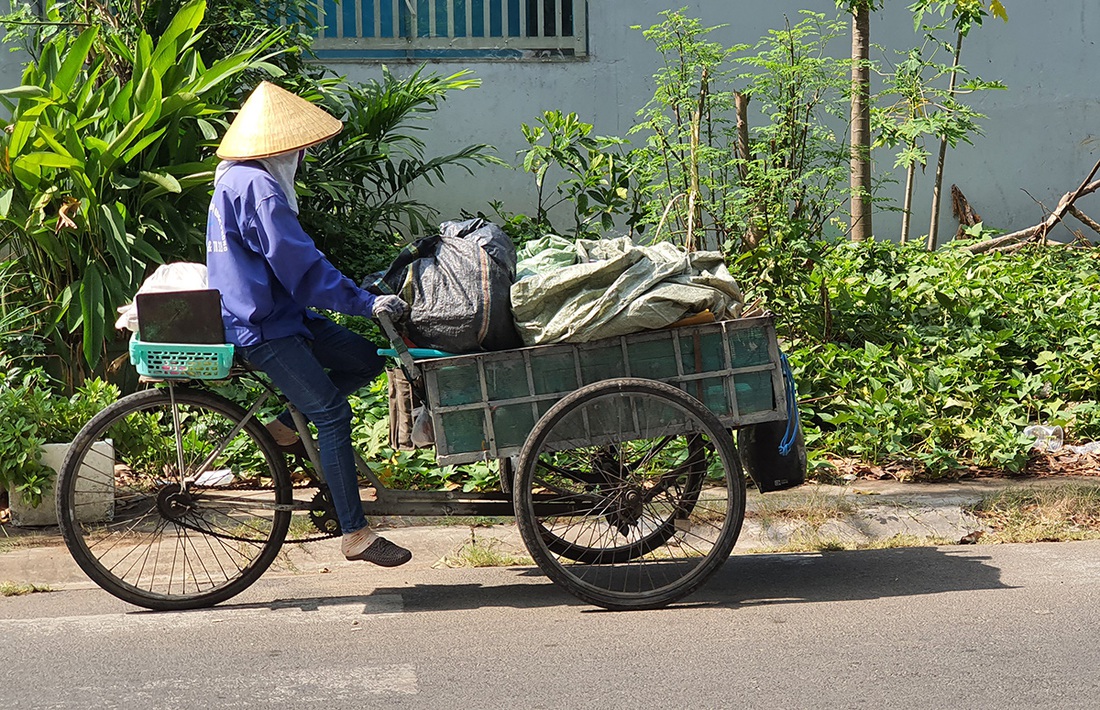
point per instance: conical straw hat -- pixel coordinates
(274, 121)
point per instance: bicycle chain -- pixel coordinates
(322, 515)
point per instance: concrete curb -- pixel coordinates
(851, 516)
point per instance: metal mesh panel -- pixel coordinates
(469, 28)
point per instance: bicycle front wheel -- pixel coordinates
(167, 501)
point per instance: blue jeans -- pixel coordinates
(317, 376)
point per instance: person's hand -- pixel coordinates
(391, 306)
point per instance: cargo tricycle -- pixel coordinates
(616, 458)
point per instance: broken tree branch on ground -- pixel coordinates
(1085, 219)
(1040, 231)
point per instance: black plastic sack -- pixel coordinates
(758, 448)
(458, 285)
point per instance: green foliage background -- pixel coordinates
(103, 173)
(934, 360)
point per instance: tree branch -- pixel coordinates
(1043, 228)
(1085, 219)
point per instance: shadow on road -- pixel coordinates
(847, 575)
(431, 597)
(745, 580)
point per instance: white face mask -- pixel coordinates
(283, 168)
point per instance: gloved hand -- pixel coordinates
(392, 306)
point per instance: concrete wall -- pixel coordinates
(1040, 134)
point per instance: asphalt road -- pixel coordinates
(1010, 626)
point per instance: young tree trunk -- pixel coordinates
(907, 210)
(741, 105)
(861, 124)
(934, 227)
(751, 239)
(694, 210)
(963, 212)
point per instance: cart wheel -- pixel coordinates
(659, 530)
(167, 501)
(629, 493)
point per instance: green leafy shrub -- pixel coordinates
(699, 175)
(21, 435)
(20, 345)
(358, 204)
(34, 416)
(412, 470)
(596, 179)
(689, 130)
(794, 180)
(935, 360)
(103, 176)
(712, 181)
(913, 108)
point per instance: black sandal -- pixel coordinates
(384, 553)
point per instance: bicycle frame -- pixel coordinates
(386, 501)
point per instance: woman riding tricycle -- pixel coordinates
(615, 456)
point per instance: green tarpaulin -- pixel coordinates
(604, 288)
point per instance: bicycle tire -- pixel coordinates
(639, 417)
(122, 502)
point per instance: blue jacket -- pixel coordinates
(267, 268)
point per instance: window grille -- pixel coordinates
(442, 29)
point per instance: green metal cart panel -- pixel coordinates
(484, 405)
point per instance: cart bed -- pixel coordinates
(484, 405)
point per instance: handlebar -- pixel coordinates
(412, 372)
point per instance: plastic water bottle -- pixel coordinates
(1047, 438)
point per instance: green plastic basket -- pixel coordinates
(181, 360)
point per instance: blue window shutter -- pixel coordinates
(386, 18)
(347, 10)
(330, 18)
(478, 29)
(495, 18)
(461, 30)
(369, 30)
(513, 18)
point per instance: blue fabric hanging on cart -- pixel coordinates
(794, 421)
